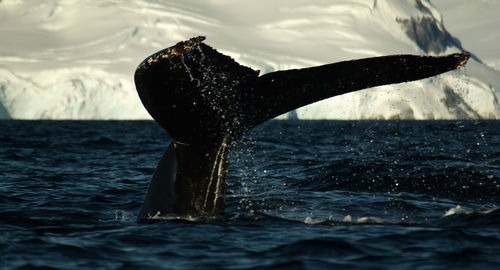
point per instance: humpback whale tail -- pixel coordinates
(206, 101)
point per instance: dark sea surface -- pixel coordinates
(301, 195)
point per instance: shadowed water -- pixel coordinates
(301, 195)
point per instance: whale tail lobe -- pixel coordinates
(206, 101)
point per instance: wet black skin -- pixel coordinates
(206, 101)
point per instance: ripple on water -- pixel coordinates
(305, 195)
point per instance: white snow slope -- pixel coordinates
(75, 59)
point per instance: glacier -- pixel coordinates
(66, 59)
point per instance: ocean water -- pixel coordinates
(301, 195)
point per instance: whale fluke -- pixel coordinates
(206, 101)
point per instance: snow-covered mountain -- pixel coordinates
(476, 24)
(67, 59)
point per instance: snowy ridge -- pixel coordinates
(476, 24)
(69, 59)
